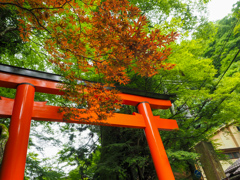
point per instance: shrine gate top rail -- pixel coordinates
(23, 109)
(11, 76)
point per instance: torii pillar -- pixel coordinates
(159, 156)
(23, 109)
(14, 159)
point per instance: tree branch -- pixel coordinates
(7, 30)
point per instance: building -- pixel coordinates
(228, 140)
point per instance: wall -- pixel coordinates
(228, 139)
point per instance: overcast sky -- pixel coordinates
(220, 8)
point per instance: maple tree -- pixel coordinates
(192, 80)
(107, 38)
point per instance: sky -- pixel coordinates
(220, 8)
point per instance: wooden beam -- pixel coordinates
(51, 87)
(43, 112)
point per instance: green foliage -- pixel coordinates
(204, 99)
(82, 153)
(165, 11)
(36, 171)
(124, 155)
(10, 41)
(13, 51)
(200, 107)
(179, 159)
(225, 44)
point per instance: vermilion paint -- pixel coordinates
(13, 164)
(160, 159)
(43, 112)
(51, 87)
(24, 108)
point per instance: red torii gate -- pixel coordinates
(23, 108)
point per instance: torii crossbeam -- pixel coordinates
(23, 108)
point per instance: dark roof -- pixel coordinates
(29, 73)
(237, 171)
(234, 169)
(57, 78)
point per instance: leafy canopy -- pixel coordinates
(105, 38)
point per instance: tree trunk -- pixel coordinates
(3, 140)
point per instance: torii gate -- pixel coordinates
(23, 108)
